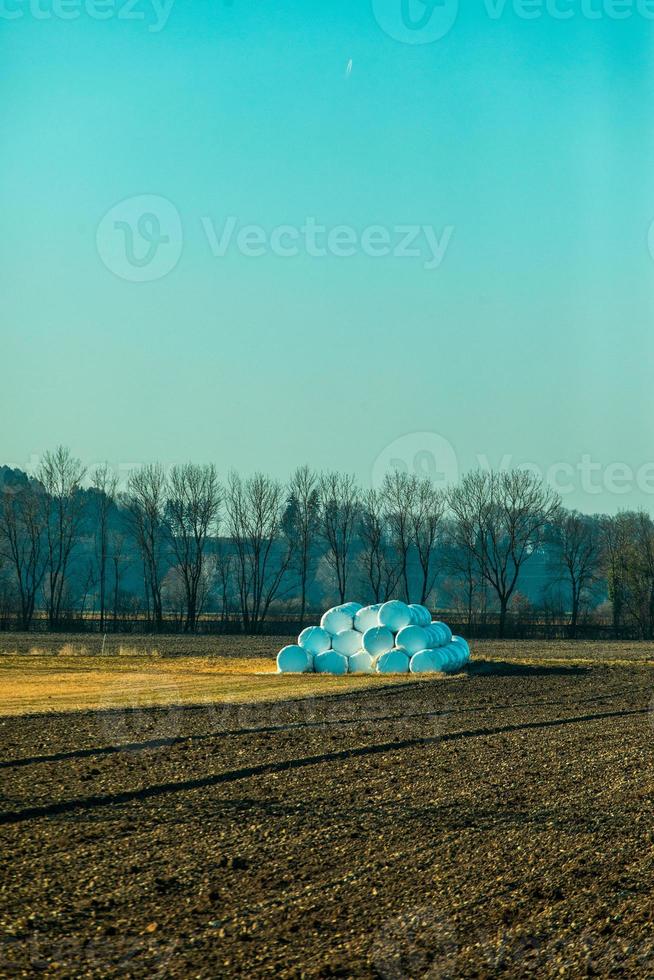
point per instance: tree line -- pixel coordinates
(183, 546)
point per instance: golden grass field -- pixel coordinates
(52, 676)
(43, 673)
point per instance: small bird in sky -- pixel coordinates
(348, 70)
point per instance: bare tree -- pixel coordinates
(88, 583)
(119, 558)
(105, 485)
(255, 508)
(23, 518)
(377, 556)
(643, 570)
(225, 563)
(577, 555)
(399, 492)
(303, 521)
(145, 503)
(425, 518)
(616, 547)
(61, 475)
(628, 554)
(339, 498)
(503, 518)
(460, 564)
(192, 512)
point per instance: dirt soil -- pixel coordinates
(495, 824)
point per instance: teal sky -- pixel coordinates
(531, 139)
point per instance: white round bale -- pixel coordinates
(457, 655)
(347, 642)
(459, 645)
(315, 639)
(421, 615)
(412, 639)
(464, 644)
(331, 663)
(394, 662)
(378, 640)
(436, 637)
(428, 662)
(367, 617)
(294, 660)
(439, 637)
(336, 620)
(446, 629)
(395, 615)
(361, 663)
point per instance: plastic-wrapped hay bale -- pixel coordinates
(377, 641)
(446, 629)
(394, 662)
(456, 656)
(294, 660)
(361, 663)
(412, 639)
(428, 662)
(421, 615)
(353, 607)
(367, 617)
(331, 663)
(347, 642)
(462, 649)
(453, 659)
(315, 639)
(336, 620)
(437, 635)
(457, 649)
(464, 644)
(395, 615)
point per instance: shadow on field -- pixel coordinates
(504, 668)
(288, 765)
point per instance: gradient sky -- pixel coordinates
(532, 138)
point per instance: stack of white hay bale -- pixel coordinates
(387, 638)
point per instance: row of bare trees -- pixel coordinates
(250, 545)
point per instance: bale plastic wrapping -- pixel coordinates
(367, 617)
(361, 663)
(351, 607)
(421, 615)
(336, 620)
(347, 642)
(294, 660)
(446, 629)
(331, 663)
(393, 662)
(412, 639)
(378, 640)
(395, 615)
(315, 639)
(428, 662)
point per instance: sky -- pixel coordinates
(354, 235)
